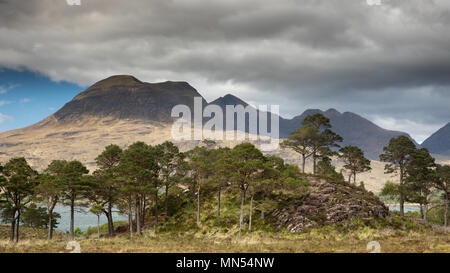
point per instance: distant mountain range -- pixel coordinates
(355, 129)
(124, 97)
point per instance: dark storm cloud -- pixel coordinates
(390, 63)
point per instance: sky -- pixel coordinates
(389, 63)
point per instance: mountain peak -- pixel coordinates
(438, 142)
(332, 111)
(125, 97)
(118, 80)
(229, 99)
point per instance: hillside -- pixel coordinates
(125, 97)
(355, 130)
(439, 142)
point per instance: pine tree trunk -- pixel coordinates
(354, 178)
(402, 198)
(110, 220)
(130, 218)
(446, 210)
(144, 204)
(17, 227)
(350, 178)
(50, 225)
(198, 205)
(156, 208)
(138, 217)
(98, 226)
(425, 212)
(303, 163)
(241, 216)
(13, 226)
(250, 216)
(261, 217)
(167, 201)
(194, 189)
(218, 202)
(72, 216)
(314, 163)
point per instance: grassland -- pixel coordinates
(397, 236)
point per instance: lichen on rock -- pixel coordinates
(328, 202)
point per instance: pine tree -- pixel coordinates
(139, 175)
(50, 188)
(245, 163)
(105, 182)
(420, 175)
(397, 154)
(354, 161)
(16, 187)
(74, 186)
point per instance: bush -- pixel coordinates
(436, 215)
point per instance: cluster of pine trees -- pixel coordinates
(141, 179)
(420, 176)
(315, 140)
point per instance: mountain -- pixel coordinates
(125, 97)
(355, 130)
(439, 142)
(228, 99)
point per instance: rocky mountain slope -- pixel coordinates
(125, 97)
(439, 142)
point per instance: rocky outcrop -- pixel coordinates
(327, 203)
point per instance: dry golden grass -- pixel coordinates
(317, 241)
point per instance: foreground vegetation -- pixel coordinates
(394, 236)
(215, 199)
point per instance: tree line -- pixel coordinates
(139, 180)
(142, 179)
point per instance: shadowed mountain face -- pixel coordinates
(439, 142)
(228, 100)
(125, 97)
(355, 130)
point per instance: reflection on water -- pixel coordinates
(83, 218)
(408, 208)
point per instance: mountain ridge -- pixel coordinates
(124, 96)
(439, 142)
